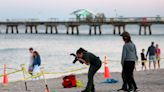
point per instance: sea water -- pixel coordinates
(54, 49)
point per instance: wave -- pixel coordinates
(12, 49)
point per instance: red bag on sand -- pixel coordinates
(69, 81)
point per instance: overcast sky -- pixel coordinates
(43, 9)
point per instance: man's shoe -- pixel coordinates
(122, 89)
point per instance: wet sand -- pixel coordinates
(147, 81)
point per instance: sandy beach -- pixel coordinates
(147, 81)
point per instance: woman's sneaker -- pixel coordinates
(122, 89)
(136, 90)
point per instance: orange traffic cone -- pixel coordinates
(46, 90)
(106, 69)
(5, 77)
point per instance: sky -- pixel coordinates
(44, 9)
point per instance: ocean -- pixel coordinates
(54, 49)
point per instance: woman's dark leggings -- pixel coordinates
(124, 85)
(92, 71)
(128, 69)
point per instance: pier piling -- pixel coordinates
(145, 27)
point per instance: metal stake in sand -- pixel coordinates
(45, 81)
(24, 70)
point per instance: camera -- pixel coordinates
(74, 61)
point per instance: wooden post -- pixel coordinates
(114, 29)
(12, 29)
(100, 30)
(67, 29)
(140, 30)
(72, 29)
(26, 29)
(150, 33)
(90, 30)
(46, 29)
(77, 28)
(36, 31)
(7, 29)
(17, 29)
(119, 30)
(51, 27)
(144, 30)
(95, 29)
(56, 29)
(31, 27)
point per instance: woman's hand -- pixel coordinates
(82, 60)
(87, 63)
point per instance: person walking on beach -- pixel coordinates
(129, 56)
(30, 66)
(36, 63)
(95, 63)
(152, 55)
(143, 59)
(158, 53)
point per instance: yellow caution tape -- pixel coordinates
(25, 72)
(40, 74)
(73, 70)
(10, 73)
(33, 76)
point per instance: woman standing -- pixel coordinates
(129, 56)
(89, 58)
(158, 53)
(37, 62)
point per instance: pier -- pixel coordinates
(72, 25)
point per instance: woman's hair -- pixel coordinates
(30, 48)
(36, 53)
(127, 39)
(126, 36)
(80, 50)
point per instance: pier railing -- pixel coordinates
(121, 19)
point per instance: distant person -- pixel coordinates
(89, 58)
(152, 55)
(129, 56)
(37, 62)
(158, 54)
(30, 66)
(143, 60)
